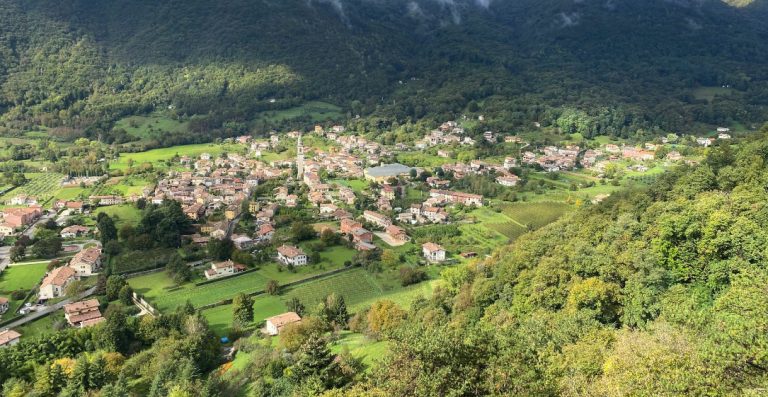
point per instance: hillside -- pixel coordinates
(598, 67)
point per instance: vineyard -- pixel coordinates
(536, 215)
(42, 186)
(355, 286)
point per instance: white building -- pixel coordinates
(86, 262)
(291, 255)
(222, 269)
(433, 252)
(507, 181)
(55, 282)
(275, 324)
(9, 338)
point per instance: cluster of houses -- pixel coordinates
(18, 217)
(85, 263)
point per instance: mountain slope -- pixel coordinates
(625, 65)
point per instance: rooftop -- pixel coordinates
(387, 170)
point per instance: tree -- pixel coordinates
(48, 244)
(384, 316)
(335, 310)
(242, 310)
(220, 249)
(125, 296)
(410, 275)
(314, 360)
(273, 287)
(74, 288)
(114, 285)
(389, 258)
(300, 231)
(107, 229)
(296, 306)
(18, 252)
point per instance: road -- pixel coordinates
(50, 309)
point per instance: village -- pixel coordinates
(361, 206)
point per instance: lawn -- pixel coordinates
(152, 285)
(17, 278)
(357, 185)
(152, 125)
(21, 277)
(421, 159)
(315, 110)
(709, 93)
(161, 291)
(41, 326)
(220, 317)
(157, 156)
(209, 293)
(361, 347)
(122, 214)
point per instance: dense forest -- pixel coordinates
(599, 68)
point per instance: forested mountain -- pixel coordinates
(600, 67)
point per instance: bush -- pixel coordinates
(18, 295)
(410, 275)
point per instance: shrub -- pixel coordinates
(410, 275)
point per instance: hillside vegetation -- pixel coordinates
(78, 66)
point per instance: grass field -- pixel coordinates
(709, 93)
(357, 185)
(358, 287)
(536, 215)
(208, 293)
(315, 110)
(420, 159)
(361, 347)
(20, 278)
(122, 214)
(157, 156)
(149, 126)
(39, 327)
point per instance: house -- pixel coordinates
(86, 262)
(55, 282)
(397, 233)
(433, 252)
(242, 242)
(194, 211)
(377, 219)
(275, 324)
(457, 197)
(385, 172)
(231, 212)
(265, 232)
(18, 217)
(361, 234)
(3, 305)
(74, 231)
(348, 225)
(328, 209)
(508, 181)
(23, 199)
(704, 141)
(83, 314)
(291, 255)
(106, 200)
(6, 229)
(9, 338)
(222, 269)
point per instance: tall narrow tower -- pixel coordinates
(299, 159)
